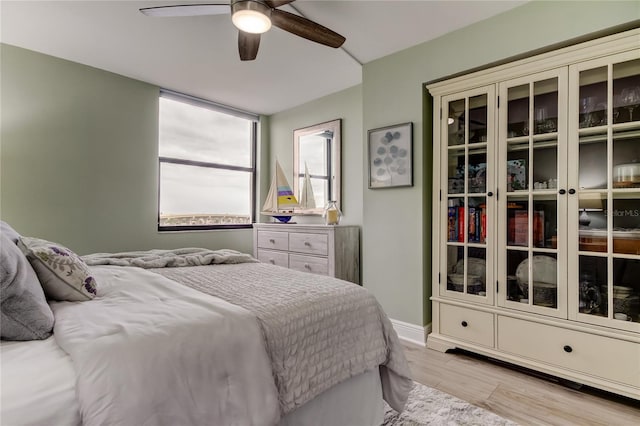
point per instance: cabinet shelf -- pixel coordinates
(477, 245)
(545, 194)
(626, 193)
(536, 138)
(519, 195)
(543, 143)
(622, 131)
(474, 148)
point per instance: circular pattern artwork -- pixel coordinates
(390, 156)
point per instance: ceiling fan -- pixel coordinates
(252, 18)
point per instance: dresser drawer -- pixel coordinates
(273, 240)
(273, 257)
(467, 324)
(605, 357)
(309, 243)
(315, 265)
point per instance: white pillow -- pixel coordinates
(61, 272)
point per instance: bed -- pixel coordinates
(194, 336)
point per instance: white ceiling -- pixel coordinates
(198, 55)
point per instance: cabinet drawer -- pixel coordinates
(315, 265)
(309, 243)
(273, 257)
(467, 324)
(273, 240)
(611, 359)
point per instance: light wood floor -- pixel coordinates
(524, 398)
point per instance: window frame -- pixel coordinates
(203, 103)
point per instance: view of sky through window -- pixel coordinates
(192, 133)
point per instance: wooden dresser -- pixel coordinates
(319, 249)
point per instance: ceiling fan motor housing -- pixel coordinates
(249, 16)
(257, 5)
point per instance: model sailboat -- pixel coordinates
(280, 200)
(307, 198)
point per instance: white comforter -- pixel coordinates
(160, 353)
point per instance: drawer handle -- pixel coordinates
(464, 323)
(307, 266)
(272, 241)
(271, 261)
(307, 243)
(568, 349)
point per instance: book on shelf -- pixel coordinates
(461, 224)
(452, 224)
(538, 228)
(472, 225)
(513, 208)
(477, 224)
(521, 228)
(483, 223)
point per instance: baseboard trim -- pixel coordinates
(411, 333)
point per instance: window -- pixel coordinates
(207, 164)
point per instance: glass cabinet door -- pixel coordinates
(604, 216)
(466, 195)
(532, 203)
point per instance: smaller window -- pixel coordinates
(207, 164)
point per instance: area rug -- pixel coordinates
(429, 406)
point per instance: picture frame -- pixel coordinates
(390, 156)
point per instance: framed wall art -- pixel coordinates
(391, 156)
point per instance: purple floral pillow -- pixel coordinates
(63, 275)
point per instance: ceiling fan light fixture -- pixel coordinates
(251, 16)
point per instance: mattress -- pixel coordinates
(37, 384)
(40, 374)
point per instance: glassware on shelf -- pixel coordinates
(544, 123)
(332, 213)
(587, 107)
(630, 99)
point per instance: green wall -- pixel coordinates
(78, 158)
(346, 105)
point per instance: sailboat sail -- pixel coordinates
(307, 199)
(280, 198)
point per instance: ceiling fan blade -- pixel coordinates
(277, 3)
(306, 28)
(187, 10)
(248, 44)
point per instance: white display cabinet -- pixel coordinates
(536, 246)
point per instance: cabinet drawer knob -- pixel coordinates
(271, 261)
(307, 243)
(567, 349)
(489, 194)
(562, 192)
(307, 266)
(272, 241)
(572, 191)
(464, 323)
